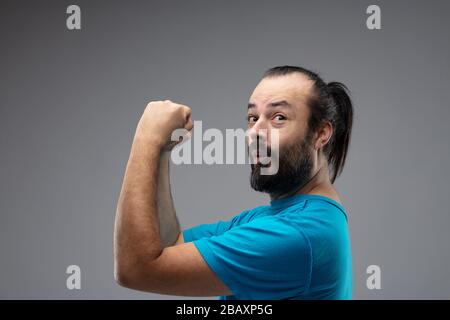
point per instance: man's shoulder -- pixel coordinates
(316, 208)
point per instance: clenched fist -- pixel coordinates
(160, 119)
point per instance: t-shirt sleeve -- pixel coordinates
(213, 229)
(266, 258)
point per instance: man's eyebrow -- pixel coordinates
(281, 103)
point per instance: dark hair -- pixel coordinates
(328, 102)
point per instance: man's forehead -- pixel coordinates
(292, 88)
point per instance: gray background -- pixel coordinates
(70, 101)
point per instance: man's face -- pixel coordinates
(280, 103)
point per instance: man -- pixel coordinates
(297, 247)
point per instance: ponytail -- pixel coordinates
(343, 127)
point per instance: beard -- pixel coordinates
(295, 170)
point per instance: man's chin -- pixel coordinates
(259, 182)
(279, 183)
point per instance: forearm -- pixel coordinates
(137, 236)
(168, 222)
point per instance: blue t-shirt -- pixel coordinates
(294, 248)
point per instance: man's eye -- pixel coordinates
(279, 117)
(252, 119)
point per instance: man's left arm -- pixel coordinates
(141, 260)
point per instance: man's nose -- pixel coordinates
(259, 131)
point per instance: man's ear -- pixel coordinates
(323, 135)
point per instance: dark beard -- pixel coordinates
(295, 167)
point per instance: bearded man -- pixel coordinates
(295, 247)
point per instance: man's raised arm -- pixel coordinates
(146, 227)
(146, 222)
